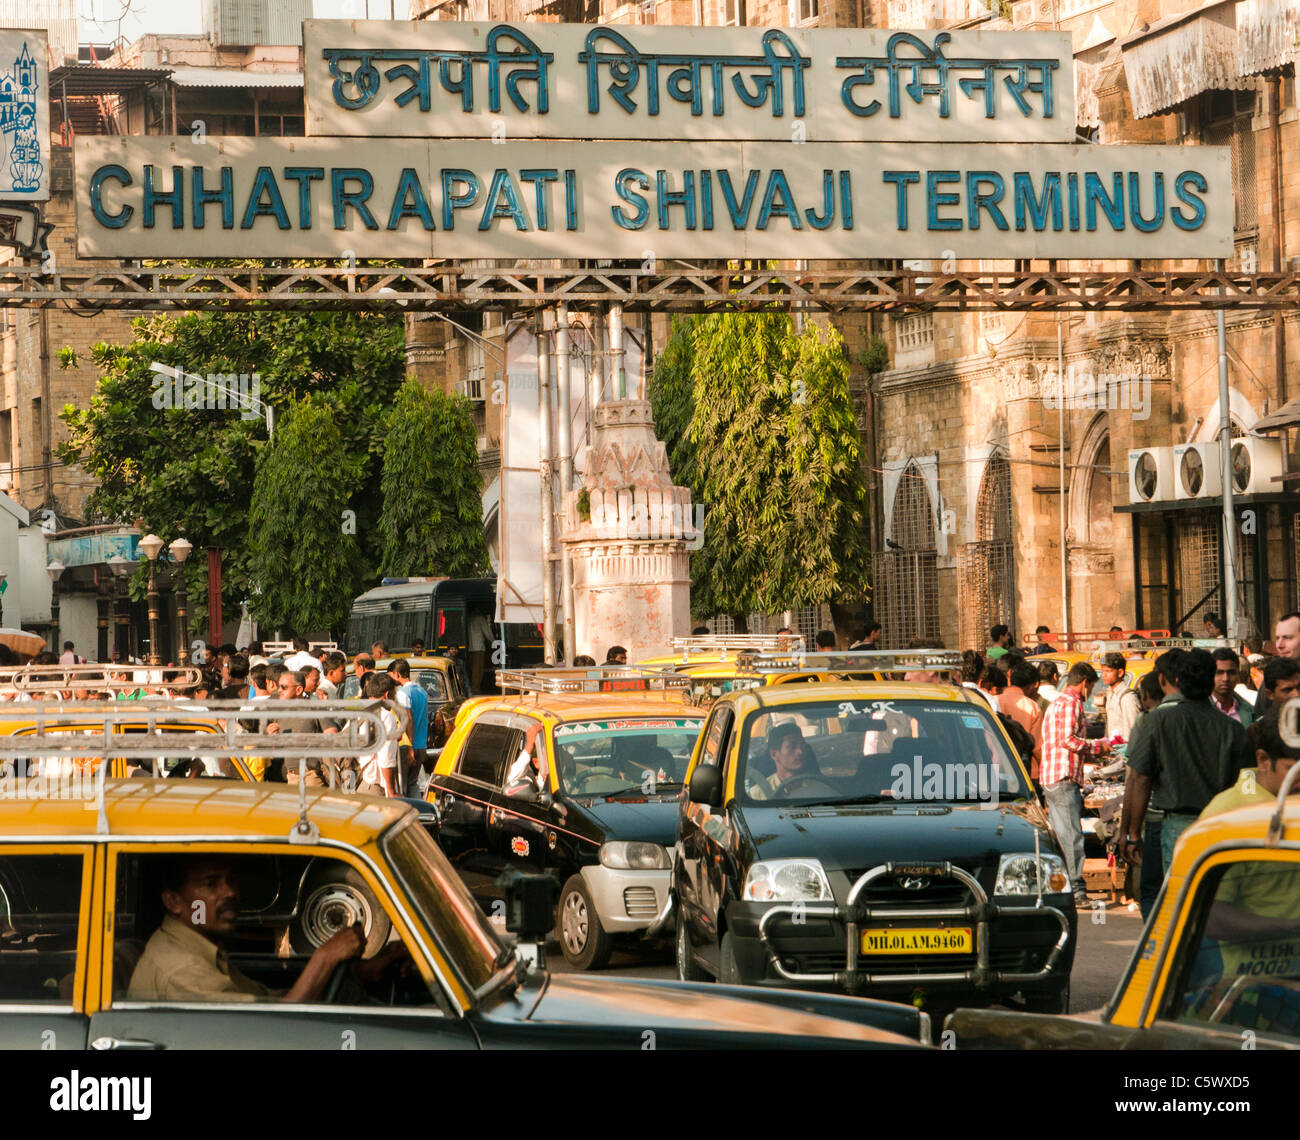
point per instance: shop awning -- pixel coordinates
(225, 77)
(1287, 416)
(1266, 33)
(1177, 58)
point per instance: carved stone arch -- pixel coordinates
(993, 506)
(1091, 506)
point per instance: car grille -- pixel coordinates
(1012, 959)
(887, 893)
(639, 902)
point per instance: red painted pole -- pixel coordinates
(215, 624)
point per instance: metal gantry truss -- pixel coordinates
(460, 286)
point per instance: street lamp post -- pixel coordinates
(55, 571)
(122, 637)
(152, 545)
(180, 550)
(103, 602)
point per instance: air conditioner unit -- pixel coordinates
(1255, 461)
(1150, 475)
(1196, 471)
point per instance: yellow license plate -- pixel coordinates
(927, 940)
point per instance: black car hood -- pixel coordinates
(853, 837)
(614, 1010)
(646, 819)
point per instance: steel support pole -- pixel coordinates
(617, 371)
(545, 454)
(1230, 617)
(1060, 454)
(564, 423)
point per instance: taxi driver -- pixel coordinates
(785, 749)
(184, 959)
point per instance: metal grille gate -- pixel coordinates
(986, 594)
(906, 580)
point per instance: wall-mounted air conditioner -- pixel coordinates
(1196, 471)
(1150, 474)
(1255, 461)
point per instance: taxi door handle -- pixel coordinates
(124, 1043)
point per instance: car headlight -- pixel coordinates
(1016, 875)
(773, 880)
(625, 856)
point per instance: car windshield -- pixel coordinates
(444, 903)
(878, 751)
(596, 757)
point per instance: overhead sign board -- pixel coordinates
(24, 116)
(452, 80)
(161, 197)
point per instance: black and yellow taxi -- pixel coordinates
(577, 776)
(874, 838)
(88, 882)
(1218, 965)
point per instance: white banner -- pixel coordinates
(447, 80)
(519, 586)
(24, 116)
(229, 197)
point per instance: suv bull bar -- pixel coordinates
(981, 913)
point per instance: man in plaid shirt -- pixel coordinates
(1064, 749)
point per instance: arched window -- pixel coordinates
(906, 578)
(986, 567)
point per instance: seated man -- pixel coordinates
(184, 959)
(528, 772)
(786, 753)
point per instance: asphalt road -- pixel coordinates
(1107, 939)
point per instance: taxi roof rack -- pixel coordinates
(600, 679)
(858, 660)
(101, 729)
(726, 643)
(96, 678)
(364, 730)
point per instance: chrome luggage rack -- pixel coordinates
(600, 679)
(97, 678)
(851, 661)
(733, 643)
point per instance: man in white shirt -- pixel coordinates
(529, 768)
(1122, 705)
(379, 769)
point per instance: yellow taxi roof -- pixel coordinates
(161, 808)
(1232, 827)
(424, 661)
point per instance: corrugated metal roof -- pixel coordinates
(226, 77)
(95, 79)
(1177, 58)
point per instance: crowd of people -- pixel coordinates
(1195, 735)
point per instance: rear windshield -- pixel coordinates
(601, 756)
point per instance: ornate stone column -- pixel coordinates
(629, 533)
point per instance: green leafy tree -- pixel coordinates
(190, 470)
(759, 423)
(432, 518)
(300, 550)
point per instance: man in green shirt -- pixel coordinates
(1261, 784)
(1186, 753)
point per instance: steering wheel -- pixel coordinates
(786, 788)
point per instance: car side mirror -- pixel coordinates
(706, 785)
(530, 904)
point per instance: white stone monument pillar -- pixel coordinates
(629, 533)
